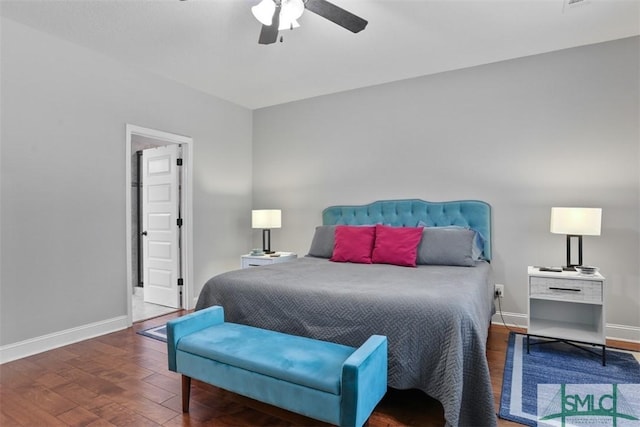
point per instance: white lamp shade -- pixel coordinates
(266, 218)
(263, 11)
(576, 221)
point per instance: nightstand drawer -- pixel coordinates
(255, 262)
(589, 291)
(258, 260)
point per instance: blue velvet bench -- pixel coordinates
(330, 382)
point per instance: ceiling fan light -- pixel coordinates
(263, 11)
(288, 25)
(293, 8)
(291, 11)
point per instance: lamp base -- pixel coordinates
(570, 266)
(266, 242)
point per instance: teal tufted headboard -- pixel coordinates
(465, 213)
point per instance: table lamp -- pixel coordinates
(575, 223)
(266, 219)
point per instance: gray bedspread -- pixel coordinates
(436, 320)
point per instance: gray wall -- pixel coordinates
(558, 129)
(64, 110)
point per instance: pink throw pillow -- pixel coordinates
(353, 244)
(396, 245)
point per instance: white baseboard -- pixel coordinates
(517, 320)
(614, 331)
(37, 345)
(623, 332)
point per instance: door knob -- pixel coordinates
(144, 233)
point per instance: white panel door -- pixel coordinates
(160, 201)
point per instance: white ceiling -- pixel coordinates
(211, 45)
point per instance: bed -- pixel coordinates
(436, 316)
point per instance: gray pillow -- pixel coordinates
(323, 241)
(446, 246)
(478, 241)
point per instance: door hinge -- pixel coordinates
(179, 162)
(181, 282)
(179, 221)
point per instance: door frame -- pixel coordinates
(187, 210)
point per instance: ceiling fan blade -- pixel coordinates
(269, 33)
(337, 15)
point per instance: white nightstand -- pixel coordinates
(567, 306)
(258, 260)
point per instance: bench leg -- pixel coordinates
(186, 392)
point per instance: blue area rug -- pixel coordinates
(560, 363)
(156, 332)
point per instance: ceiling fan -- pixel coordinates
(276, 15)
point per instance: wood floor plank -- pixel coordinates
(145, 407)
(78, 416)
(27, 367)
(45, 398)
(7, 421)
(96, 347)
(53, 364)
(101, 422)
(147, 390)
(9, 377)
(169, 383)
(83, 397)
(197, 412)
(122, 416)
(25, 412)
(92, 382)
(52, 380)
(184, 420)
(61, 354)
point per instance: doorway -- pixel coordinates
(148, 241)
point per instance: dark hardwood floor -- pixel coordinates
(121, 379)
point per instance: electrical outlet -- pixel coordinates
(498, 290)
